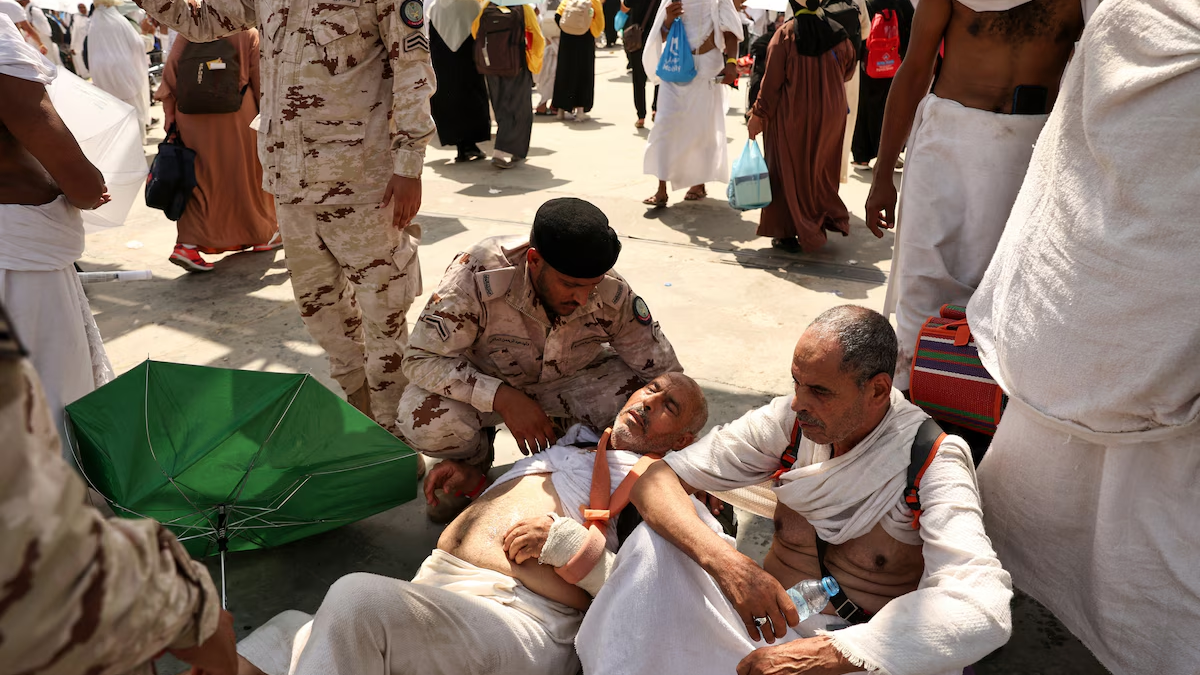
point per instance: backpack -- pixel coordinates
(883, 46)
(172, 176)
(577, 17)
(206, 81)
(500, 42)
(845, 14)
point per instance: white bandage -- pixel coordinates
(565, 541)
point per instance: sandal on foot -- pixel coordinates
(655, 201)
(693, 196)
(789, 244)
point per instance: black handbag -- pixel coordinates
(172, 176)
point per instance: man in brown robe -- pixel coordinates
(802, 107)
(228, 211)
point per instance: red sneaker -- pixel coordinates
(189, 259)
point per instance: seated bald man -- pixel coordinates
(507, 586)
(921, 586)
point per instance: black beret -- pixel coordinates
(573, 236)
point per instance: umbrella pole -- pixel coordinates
(222, 546)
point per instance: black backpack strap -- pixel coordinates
(924, 449)
(842, 605)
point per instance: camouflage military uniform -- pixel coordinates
(484, 326)
(345, 105)
(80, 593)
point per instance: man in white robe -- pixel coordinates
(1088, 319)
(79, 27)
(117, 58)
(41, 25)
(505, 590)
(925, 594)
(687, 145)
(969, 147)
(44, 181)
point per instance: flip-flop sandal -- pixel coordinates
(655, 202)
(695, 196)
(544, 113)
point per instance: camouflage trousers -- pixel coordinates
(444, 428)
(354, 277)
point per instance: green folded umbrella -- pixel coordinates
(236, 459)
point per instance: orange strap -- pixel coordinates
(605, 503)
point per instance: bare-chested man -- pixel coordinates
(970, 145)
(924, 594)
(44, 182)
(491, 599)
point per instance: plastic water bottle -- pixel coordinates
(811, 595)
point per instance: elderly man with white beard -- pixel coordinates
(919, 581)
(507, 586)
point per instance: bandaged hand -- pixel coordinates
(527, 539)
(577, 553)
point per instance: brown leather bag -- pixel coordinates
(633, 37)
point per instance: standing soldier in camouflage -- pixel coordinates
(537, 333)
(342, 135)
(80, 593)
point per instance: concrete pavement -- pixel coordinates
(731, 305)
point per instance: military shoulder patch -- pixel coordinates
(641, 311)
(415, 41)
(413, 13)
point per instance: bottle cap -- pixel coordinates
(831, 586)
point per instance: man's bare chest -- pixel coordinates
(875, 557)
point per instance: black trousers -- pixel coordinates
(639, 86)
(611, 9)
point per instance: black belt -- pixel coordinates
(842, 605)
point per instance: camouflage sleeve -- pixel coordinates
(402, 27)
(436, 356)
(203, 21)
(80, 593)
(639, 341)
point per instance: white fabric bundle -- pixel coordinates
(18, 59)
(117, 60)
(572, 469)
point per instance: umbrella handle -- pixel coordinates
(222, 546)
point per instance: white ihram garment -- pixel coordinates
(1089, 320)
(453, 618)
(958, 614)
(687, 143)
(79, 27)
(38, 284)
(117, 60)
(962, 172)
(852, 86)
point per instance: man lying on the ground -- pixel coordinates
(498, 595)
(538, 333)
(924, 594)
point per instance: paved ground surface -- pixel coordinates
(732, 307)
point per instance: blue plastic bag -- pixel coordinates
(676, 63)
(620, 21)
(749, 184)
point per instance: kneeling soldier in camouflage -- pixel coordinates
(537, 333)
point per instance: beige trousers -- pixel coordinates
(354, 277)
